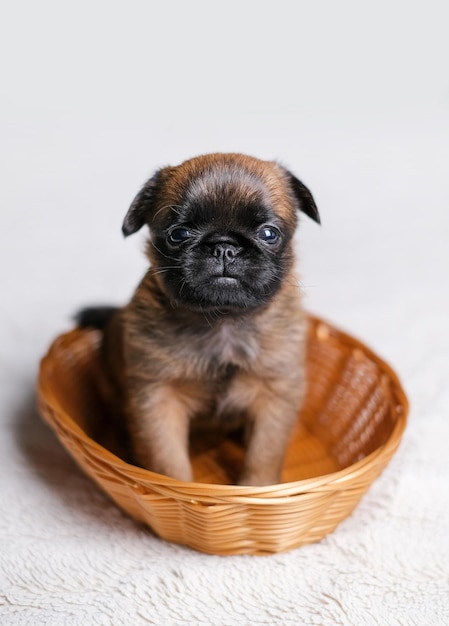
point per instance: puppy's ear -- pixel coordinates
(304, 197)
(142, 206)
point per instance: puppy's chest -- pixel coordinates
(228, 346)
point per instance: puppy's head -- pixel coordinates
(221, 227)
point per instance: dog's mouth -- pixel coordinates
(225, 280)
(221, 293)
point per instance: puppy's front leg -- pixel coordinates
(273, 417)
(159, 425)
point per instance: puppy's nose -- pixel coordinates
(225, 252)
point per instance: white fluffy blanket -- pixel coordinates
(73, 155)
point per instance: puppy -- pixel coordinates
(215, 332)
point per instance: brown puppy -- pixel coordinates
(215, 331)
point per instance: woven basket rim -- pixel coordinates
(273, 494)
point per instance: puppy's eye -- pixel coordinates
(179, 235)
(269, 234)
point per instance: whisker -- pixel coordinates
(176, 208)
(183, 284)
(209, 322)
(172, 258)
(165, 269)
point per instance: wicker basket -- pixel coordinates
(349, 428)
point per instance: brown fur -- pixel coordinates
(175, 366)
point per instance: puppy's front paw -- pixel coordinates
(176, 469)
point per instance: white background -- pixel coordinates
(352, 96)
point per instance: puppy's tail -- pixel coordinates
(95, 316)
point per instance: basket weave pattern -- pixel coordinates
(348, 429)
